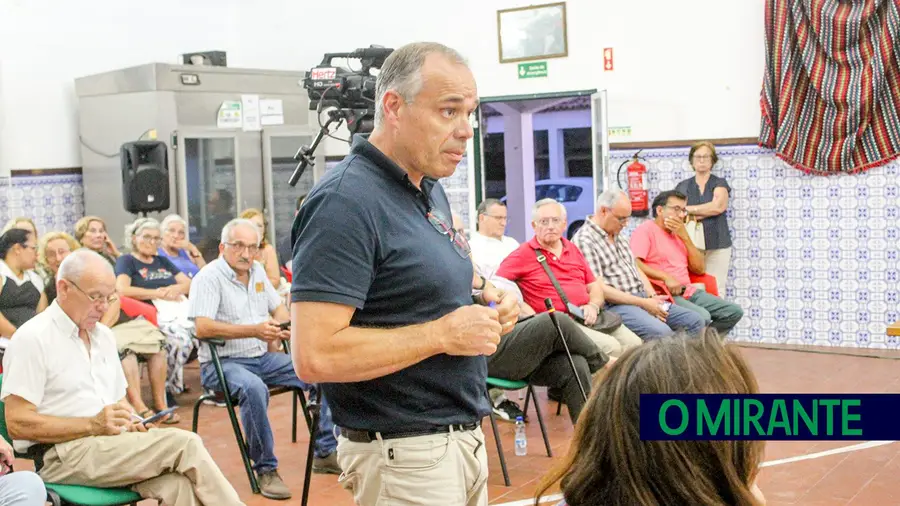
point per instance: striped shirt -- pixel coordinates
(613, 262)
(217, 294)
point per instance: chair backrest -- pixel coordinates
(135, 308)
(286, 273)
(3, 431)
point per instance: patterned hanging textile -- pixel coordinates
(831, 92)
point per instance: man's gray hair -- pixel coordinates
(237, 222)
(77, 262)
(487, 203)
(402, 72)
(137, 227)
(545, 202)
(610, 198)
(170, 219)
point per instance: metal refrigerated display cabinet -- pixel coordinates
(207, 159)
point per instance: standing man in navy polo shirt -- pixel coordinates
(382, 295)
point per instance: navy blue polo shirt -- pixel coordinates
(362, 238)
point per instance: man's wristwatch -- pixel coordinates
(483, 283)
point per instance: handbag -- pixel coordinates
(695, 231)
(607, 321)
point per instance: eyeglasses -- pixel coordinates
(239, 247)
(678, 209)
(439, 222)
(498, 218)
(95, 299)
(546, 222)
(702, 157)
(152, 239)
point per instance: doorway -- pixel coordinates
(538, 146)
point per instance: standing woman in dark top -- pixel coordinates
(22, 293)
(707, 198)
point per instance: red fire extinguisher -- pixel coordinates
(637, 185)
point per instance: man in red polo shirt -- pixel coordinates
(571, 270)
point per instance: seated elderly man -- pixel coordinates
(626, 288)
(233, 299)
(577, 284)
(64, 391)
(664, 251)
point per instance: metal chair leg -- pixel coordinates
(499, 447)
(313, 410)
(540, 417)
(196, 417)
(238, 434)
(294, 418)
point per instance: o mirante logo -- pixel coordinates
(770, 417)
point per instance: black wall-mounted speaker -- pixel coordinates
(145, 176)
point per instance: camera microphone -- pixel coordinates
(548, 302)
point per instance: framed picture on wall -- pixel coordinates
(532, 33)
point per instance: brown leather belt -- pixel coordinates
(367, 436)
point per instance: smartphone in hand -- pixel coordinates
(285, 326)
(158, 416)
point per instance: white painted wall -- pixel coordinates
(686, 69)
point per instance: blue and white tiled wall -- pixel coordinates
(54, 202)
(814, 259)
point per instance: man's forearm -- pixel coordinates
(209, 328)
(616, 296)
(360, 354)
(33, 426)
(651, 272)
(696, 260)
(595, 292)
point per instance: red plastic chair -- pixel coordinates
(134, 308)
(286, 273)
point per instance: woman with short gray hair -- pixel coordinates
(177, 248)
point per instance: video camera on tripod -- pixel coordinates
(348, 95)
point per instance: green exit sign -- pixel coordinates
(533, 69)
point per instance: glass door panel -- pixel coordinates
(211, 190)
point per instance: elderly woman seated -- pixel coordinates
(144, 275)
(177, 248)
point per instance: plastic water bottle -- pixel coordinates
(521, 440)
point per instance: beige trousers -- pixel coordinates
(440, 469)
(717, 262)
(170, 465)
(614, 343)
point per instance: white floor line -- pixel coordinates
(834, 451)
(789, 460)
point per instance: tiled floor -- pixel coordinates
(865, 477)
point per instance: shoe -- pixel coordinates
(217, 401)
(326, 465)
(508, 410)
(272, 486)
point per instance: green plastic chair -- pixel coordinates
(75, 495)
(506, 384)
